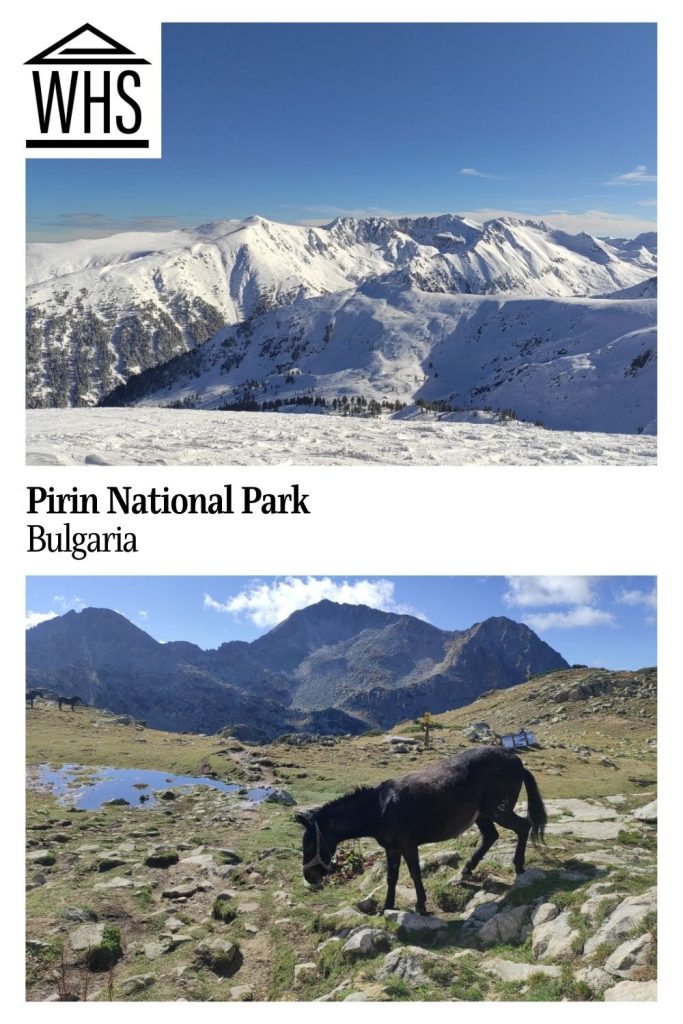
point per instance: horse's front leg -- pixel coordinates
(393, 865)
(412, 859)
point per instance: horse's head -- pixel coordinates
(318, 850)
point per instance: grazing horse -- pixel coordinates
(71, 701)
(480, 786)
(31, 696)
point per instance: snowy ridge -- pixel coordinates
(103, 310)
(580, 364)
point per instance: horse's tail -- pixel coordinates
(537, 813)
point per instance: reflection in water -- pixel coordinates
(88, 789)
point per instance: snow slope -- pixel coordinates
(101, 310)
(145, 436)
(582, 364)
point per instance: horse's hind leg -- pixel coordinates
(412, 859)
(393, 865)
(489, 834)
(521, 826)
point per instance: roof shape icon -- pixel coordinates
(91, 46)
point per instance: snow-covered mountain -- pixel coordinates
(101, 311)
(582, 364)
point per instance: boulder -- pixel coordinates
(241, 994)
(304, 972)
(115, 883)
(136, 983)
(413, 924)
(364, 942)
(406, 964)
(218, 954)
(511, 970)
(630, 956)
(628, 916)
(632, 992)
(529, 877)
(597, 980)
(555, 938)
(280, 796)
(648, 813)
(87, 936)
(510, 925)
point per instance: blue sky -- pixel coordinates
(302, 123)
(593, 620)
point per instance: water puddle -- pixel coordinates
(88, 789)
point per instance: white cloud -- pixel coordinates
(472, 172)
(266, 604)
(142, 614)
(68, 604)
(633, 597)
(33, 618)
(639, 176)
(533, 591)
(576, 618)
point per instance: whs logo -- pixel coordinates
(92, 96)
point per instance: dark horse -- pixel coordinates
(71, 701)
(478, 787)
(31, 696)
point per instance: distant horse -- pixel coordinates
(71, 701)
(480, 786)
(31, 696)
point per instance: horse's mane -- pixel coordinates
(358, 791)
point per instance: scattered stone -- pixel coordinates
(543, 913)
(554, 939)
(179, 892)
(632, 992)
(163, 856)
(412, 924)
(648, 813)
(280, 796)
(218, 954)
(117, 801)
(172, 924)
(168, 794)
(304, 972)
(510, 925)
(368, 905)
(136, 983)
(242, 994)
(115, 883)
(248, 908)
(79, 914)
(227, 856)
(511, 970)
(109, 861)
(446, 858)
(364, 942)
(43, 857)
(199, 860)
(345, 917)
(630, 956)
(406, 963)
(628, 916)
(597, 980)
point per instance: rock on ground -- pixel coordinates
(364, 942)
(554, 939)
(630, 956)
(648, 813)
(632, 992)
(511, 925)
(630, 914)
(511, 970)
(415, 923)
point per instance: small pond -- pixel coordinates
(89, 788)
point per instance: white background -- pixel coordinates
(365, 520)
